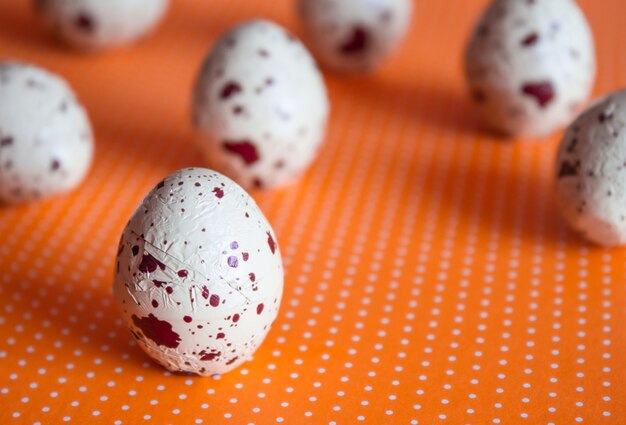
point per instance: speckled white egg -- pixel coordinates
(46, 142)
(97, 24)
(591, 172)
(354, 35)
(199, 274)
(530, 65)
(260, 106)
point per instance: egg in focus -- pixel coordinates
(199, 275)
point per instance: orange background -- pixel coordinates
(429, 277)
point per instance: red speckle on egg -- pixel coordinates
(183, 273)
(543, 92)
(231, 88)
(208, 356)
(359, 42)
(149, 264)
(84, 22)
(157, 330)
(530, 40)
(220, 335)
(187, 319)
(214, 300)
(235, 317)
(219, 193)
(245, 149)
(259, 308)
(257, 183)
(252, 277)
(205, 292)
(271, 243)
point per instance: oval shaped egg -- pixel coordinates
(199, 274)
(354, 35)
(97, 24)
(530, 65)
(46, 142)
(591, 172)
(260, 106)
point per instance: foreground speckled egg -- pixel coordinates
(530, 65)
(199, 275)
(96, 24)
(591, 172)
(354, 35)
(260, 106)
(46, 142)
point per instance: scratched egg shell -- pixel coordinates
(199, 275)
(46, 142)
(530, 65)
(97, 24)
(260, 106)
(354, 35)
(591, 172)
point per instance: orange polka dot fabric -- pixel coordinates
(429, 277)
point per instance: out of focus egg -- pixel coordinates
(354, 35)
(260, 106)
(46, 142)
(530, 65)
(591, 172)
(97, 24)
(199, 275)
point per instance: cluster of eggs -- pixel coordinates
(199, 276)
(530, 68)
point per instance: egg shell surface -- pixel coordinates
(591, 172)
(98, 24)
(260, 106)
(530, 65)
(199, 274)
(354, 35)
(46, 141)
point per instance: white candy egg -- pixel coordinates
(199, 274)
(260, 106)
(354, 35)
(97, 24)
(46, 142)
(530, 65)
(591, 172)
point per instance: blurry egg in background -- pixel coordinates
(591, 172)
(100, 24)
(199, 275)
(260, 106)
(530, 65)
(354, 35)
(46, 141)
